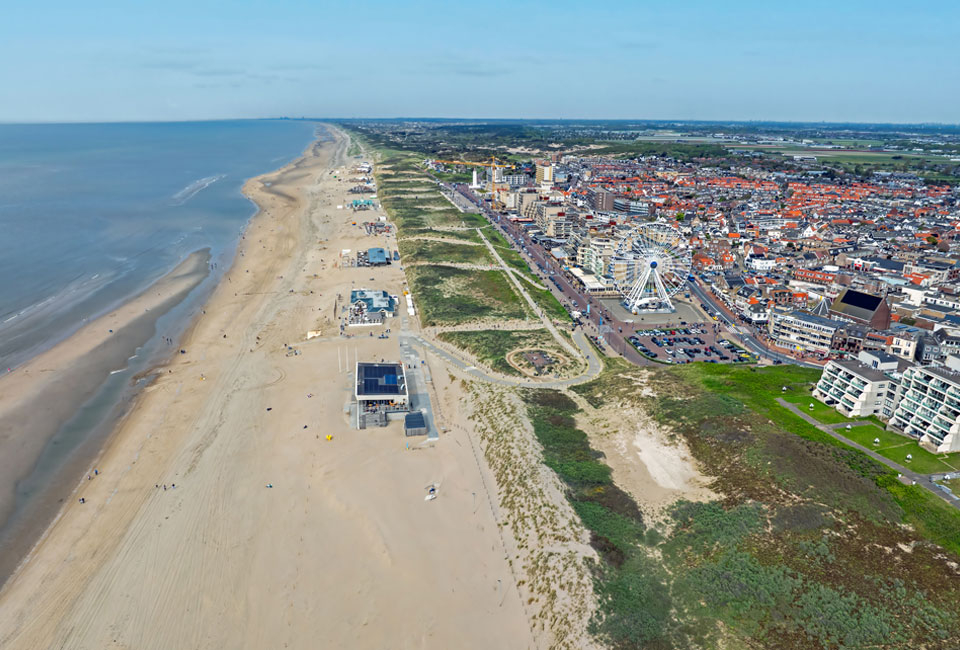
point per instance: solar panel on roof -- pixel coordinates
(861, 300)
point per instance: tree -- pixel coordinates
(680, 216)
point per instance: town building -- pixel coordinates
(544, 175)
(802, 332)
(863, 308)
(856, 389)
(928, 407)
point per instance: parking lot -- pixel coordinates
(697, 342)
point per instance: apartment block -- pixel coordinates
(928, 407)
(802, 332)
(857, 390)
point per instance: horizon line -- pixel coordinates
(478, 119)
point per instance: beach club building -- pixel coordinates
(381, 393)
(370, 307)
(377, 257)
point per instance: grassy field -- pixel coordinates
(896, 447)
(491, 347)
(448, 296)
(461, 235)
(922, 462)
(820, 412)
(416, 250)
(866, 433)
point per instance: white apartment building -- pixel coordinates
(857, 390)
(596, 254)
(928, 407)
(801, 331)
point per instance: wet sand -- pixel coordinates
(39, 397)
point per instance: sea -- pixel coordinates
(90, 216)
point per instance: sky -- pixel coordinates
(129, 60)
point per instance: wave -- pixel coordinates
(64, 298)
(195, 188)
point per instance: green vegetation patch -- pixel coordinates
(865, 434)
(635, 603)
(491, 347)
(922, 462)
(820, 411)
(793, 555)
(418, 250)
(457, 235)
(447, 296)
(896, 447)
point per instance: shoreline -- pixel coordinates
(28, 512)
(9, 575)
(236, 506)
(43, 396)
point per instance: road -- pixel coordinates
(749, 340)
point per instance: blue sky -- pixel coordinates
(63, 60)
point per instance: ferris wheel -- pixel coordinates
(661, 258)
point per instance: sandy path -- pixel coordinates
(341, 552)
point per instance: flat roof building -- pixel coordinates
(381, 390)
(801, 331)
(377, 257)
(414, 424)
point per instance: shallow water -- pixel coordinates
(93, 213)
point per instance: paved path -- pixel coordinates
(485, 325)
(547, 323)
(441, 240)
(923, 480)
(594, 367)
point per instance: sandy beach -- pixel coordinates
(181, 544)
(39, 396)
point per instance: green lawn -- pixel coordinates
(896, 447)
(866, 433)
(953, 484)
(820, 412)
(923, 461)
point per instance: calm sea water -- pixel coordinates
(90, 214)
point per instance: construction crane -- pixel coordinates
(493, 165)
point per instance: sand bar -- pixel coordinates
(37, 398)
